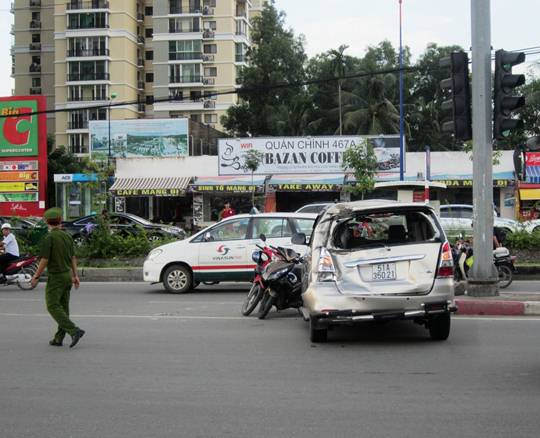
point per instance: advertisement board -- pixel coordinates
(138, 138)
(23, 135)
(296, 155)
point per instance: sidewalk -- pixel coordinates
(506, 304)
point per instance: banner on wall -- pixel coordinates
(294, 155)
(23, 135)
(138, 138)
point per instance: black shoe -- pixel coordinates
(76, 337)
(55, 343)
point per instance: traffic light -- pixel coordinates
(504, 100)
(460, 103)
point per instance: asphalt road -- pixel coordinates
(158, 365)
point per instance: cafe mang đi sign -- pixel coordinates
(293, 155)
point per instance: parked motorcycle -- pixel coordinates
(283, 281)
(262, 257)
(463, 260)
(20, 272)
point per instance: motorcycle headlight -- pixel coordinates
(155, 253)
(277, 274)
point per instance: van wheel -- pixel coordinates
(317, 334)
(439, 326)
(177, 279)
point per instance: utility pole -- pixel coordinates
(483, 280)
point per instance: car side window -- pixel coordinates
(235, 229)
(466, 214)
(271, 227)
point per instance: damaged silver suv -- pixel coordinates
(378, 260)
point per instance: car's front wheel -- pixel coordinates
(177, 279)
(439, 326)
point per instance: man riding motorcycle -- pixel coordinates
(10, 249)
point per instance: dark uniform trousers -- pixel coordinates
(57, 300)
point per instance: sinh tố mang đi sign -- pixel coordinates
(293, 155)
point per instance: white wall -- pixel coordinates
(167, 167)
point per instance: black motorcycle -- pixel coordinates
(283, 283)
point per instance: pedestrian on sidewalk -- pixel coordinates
(58, 256)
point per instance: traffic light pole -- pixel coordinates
(483, 279)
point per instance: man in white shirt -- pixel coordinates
(10, 247)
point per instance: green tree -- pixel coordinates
(423, 111)
(361, 159)
(276, 57)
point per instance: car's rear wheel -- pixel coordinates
(439, 326)
(317, 334)
(177, 279)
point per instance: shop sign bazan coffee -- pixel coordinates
(294, 155)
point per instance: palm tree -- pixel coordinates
(339, 66)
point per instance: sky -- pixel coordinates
(360, 23)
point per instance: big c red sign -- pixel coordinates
(23, 156)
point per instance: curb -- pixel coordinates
(111, 274)
(497, 307)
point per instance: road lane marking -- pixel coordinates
(129, 316)
(22, 299)
(236, 303)
(237, 318)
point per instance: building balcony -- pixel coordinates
(140, 39)
(209, 34)
(140, 16)
(208, 58)
(185, 56)
(35, 90)
(35, 3)
(74, 5)
(186, 80)
(34, 68)
(140, 85)
(209, 104)
(72, 26)
(87, 98)
(174, 29)
(76, 125)
(141, 107)
(34, 47)
(75, 53)
(140, 62)
(240, 58)
(178, 10)
(74, 77)
(179, 105)
(208, 11)
(209, 81)
(35, 24)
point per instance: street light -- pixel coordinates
(113, 96)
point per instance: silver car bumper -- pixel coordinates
(325, 306)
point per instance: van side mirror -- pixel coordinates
(299, 239)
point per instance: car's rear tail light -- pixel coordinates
(446, 265)
(326, 269)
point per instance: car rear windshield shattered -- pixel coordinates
(375, 229)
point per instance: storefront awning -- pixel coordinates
(307, 183)
(165, 186)
(529, 194)
(228, 184)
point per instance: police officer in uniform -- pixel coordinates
(58, 256)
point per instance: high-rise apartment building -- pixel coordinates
(163, 58)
